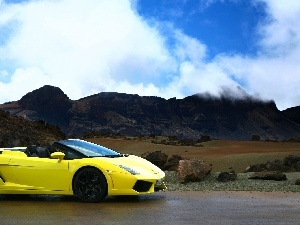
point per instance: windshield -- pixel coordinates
(89, 149)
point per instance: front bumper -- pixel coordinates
(146, 186)
(160, 187)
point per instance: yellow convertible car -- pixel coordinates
(76, 167)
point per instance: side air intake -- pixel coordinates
(142, 186)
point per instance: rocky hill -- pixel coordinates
(293, 113)
(16, 131)
(191, 117)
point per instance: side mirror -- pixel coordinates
(57, 155)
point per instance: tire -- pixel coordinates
(89, 185)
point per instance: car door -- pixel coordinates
(41, 173)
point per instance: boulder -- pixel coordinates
(158, 158)
(254, 168)
(172, 164)
(227, 176)
(297, 166)
(192, 170)
(278, 165)
(291, 160)
(269, 175)
(290, 163)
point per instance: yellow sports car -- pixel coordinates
(76, 167)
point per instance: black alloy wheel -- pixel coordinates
(90, 185)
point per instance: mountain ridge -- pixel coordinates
(130, 114)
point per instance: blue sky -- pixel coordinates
(166, 48)
(223, 26)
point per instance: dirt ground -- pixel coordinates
(223, 155)
(169, 207)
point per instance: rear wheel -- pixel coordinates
(90, 185)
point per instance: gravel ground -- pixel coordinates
(242, 183)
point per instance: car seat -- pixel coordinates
(42, 152)
(31, 151)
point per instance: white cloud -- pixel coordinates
(275, 72)
(188, 48)
(85, 47)
(281, 34)
(22, 81)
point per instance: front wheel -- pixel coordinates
(90, 185)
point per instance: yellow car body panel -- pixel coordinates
(21, 174)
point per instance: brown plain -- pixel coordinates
(223, 155)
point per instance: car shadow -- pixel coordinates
(48, 198)
(66, 198)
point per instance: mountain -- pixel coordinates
(47, 103)
(293, 113)
(191, 117)
(16, 131)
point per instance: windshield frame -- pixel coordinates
(89, 149)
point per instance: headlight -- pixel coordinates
(128, 169)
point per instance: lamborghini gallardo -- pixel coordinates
(87, 170)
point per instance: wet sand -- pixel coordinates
(170, 207)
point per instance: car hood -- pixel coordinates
(139, 164)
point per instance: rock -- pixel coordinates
(297, 182)
(297, 166)
(269, 175)
(192, 170)
(254, 168)
(290, 163)
(227, 176)
(291, 160)
(172, 164)
(278, 165)
(158, 158)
